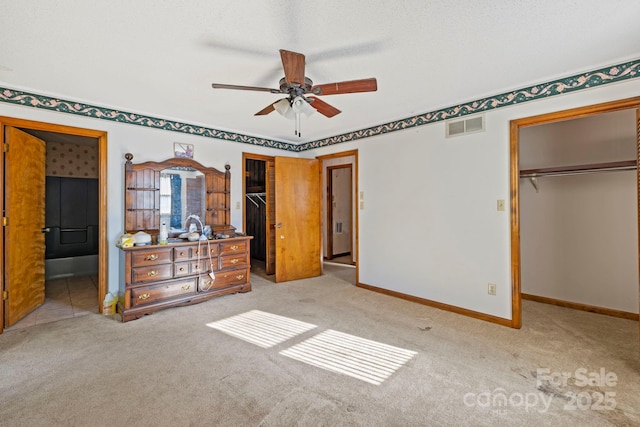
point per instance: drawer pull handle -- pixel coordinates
(181, 268)
(186, 287)
(240, 276)
(234, 261)
(144, 296)
(151, 257)
(152, 273)
(234, 247)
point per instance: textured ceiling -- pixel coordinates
(160, 57)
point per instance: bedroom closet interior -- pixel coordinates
(260, 210)
(579, 213)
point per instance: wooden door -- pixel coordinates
(23, 237)
(339, 210)
(298, 234)
(270, 226)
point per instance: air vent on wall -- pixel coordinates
(464, 126)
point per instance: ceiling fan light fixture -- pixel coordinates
(284, 108)
(300, 106)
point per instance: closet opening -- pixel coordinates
(259, 211)
(574, 218)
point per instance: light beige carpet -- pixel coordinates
(175, 369)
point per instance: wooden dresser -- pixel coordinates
(175, 192)
(162, 276)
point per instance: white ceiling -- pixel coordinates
(159, 57)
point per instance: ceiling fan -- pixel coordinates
(300, 90)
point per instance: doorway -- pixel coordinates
(343, 164)
(520, 176)
(81, 175)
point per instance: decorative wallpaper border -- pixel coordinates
(587, 80)
(27, 99)
(613, 74)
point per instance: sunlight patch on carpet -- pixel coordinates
(346, 354)
(260, 328)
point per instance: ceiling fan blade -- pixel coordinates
(266, 110)
(293, 65)
(323, 108)
(236, 87)
(351, 86)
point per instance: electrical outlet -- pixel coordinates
(238, 205)
(491, 289)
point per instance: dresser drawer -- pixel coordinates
(191, 252)
(239, 260)
(233, 247)
(183, 253)
(151, 294)
(150, 257)
(182, 269)
(151, 273)
(223, 279)
(193, 267)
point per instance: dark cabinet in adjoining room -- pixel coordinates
(71, 217)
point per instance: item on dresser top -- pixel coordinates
(125, 241)
(163, 239)
(141, 238)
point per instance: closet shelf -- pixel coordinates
(533, 174)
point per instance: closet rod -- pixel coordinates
(581, 169)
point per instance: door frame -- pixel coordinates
(514, 162)
(103, 247)
(356, 227)
(329, 202)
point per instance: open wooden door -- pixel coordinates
(297, 232)
(24, 179)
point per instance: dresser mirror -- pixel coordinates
(182, 193)
(171, 191)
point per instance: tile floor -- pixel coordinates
(64, 298)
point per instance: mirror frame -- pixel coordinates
(142, 194)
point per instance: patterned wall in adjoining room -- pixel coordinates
(72, 160)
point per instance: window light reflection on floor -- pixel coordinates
(346, 354)
(260, 328)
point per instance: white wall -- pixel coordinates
(146, 145)
(430, 227)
